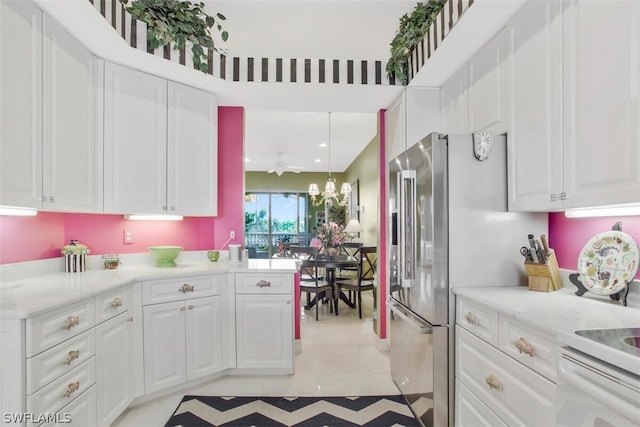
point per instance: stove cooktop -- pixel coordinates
(624, 339)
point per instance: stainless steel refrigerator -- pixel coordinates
(449, 227)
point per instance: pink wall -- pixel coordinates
(382, 256)
(568, 235)
(42, 236)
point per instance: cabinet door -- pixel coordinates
(203, 336)
(164, 345)
(135, 141)
(114, 367)
(264, 325)
(20, 104)
(601, 118)
(70, 166)
(453, 102)
(192, 173)
(422, 112)
(487, 87)
(395, 125)
(535, 107)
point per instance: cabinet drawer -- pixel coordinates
(79, 413)
(261, 283)
(49, 365)
(528, 346)
(517, 395)
(181, 288)
(478, 320)
(112, 303)
(60, 392)
(471, 412)
(52, 328)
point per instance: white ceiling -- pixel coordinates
(293, 118)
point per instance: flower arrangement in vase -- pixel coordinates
(331, 236)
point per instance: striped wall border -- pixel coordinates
(439, 29)
(288, 70)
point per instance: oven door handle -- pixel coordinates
(420, 325)
(568, 372)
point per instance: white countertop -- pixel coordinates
(561, 313)
(29, 296)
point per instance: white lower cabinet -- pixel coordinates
(182, 341)
(79, 413)
(503, 370)
(264, 322)
(114, 367)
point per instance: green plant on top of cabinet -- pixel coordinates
(50, 133)
(160, 145)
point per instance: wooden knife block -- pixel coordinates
(544, 277)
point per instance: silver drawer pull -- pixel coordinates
(117, 302)
(493, 383)
(186, 288)
(263, 284)
(71, 322)
(524, 347)
(71, 388)
(471, 319)
(71, 356)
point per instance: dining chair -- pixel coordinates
(365, 280)
(287, 248)
(311, 276)
(351, 249)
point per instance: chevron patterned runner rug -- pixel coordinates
(207, 411)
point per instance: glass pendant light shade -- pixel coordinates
(330, 187)
(313, 189)
(345, 188)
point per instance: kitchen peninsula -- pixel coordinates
(91, 344)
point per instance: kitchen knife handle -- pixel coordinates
(545, 244)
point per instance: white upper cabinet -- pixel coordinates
(574, 113)
(49, 123)
(72, 118)
(422, 112)
(192, 151)
(20, 104)
(535, 104)
(454, 105)
(135, 141)
(412, 116)
(601, 67)
(487, 93)
(160, 145)
(395, 126)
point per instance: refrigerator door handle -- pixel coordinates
(407, 233)
(421, 326)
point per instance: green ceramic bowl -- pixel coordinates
(164, 255)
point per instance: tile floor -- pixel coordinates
(341, 355)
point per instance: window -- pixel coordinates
(275, 217)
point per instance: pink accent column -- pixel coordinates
(382, 250)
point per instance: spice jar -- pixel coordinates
(111, 261)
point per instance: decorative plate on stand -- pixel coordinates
(608, 262)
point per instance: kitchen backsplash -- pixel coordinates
(568, 235)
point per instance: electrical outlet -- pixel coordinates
(127, 237)
(232, 234)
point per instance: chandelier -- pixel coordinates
(330, 195)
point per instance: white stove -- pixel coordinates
(599, 378)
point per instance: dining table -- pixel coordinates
(330, 264)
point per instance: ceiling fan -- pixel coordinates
(280, 167)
